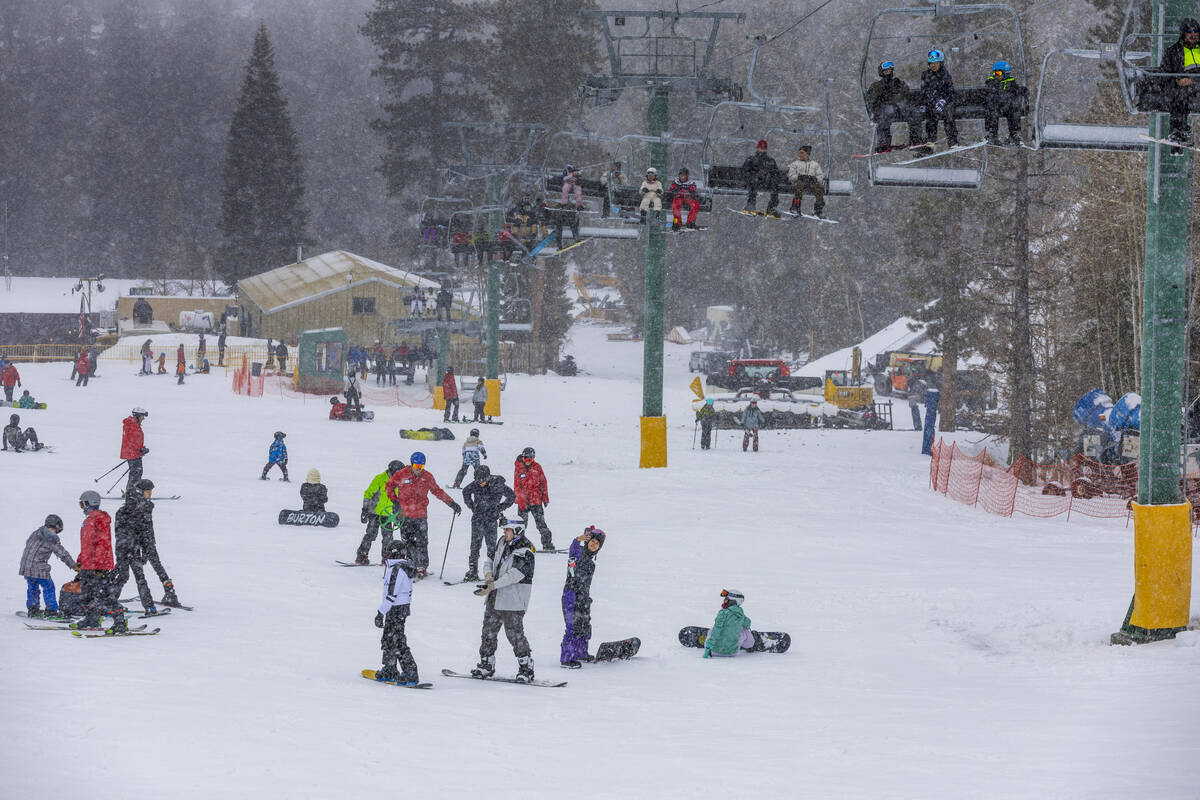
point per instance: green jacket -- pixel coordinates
(375, 499)
(723, 638)
(705, 411)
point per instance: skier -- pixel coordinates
(277, 455)
(95, 565)
(761, 172)
(281, 353)
(450, 394)
(479, 400)
(376, 510)
(147, 358)
(731, 629)
(135, 546)
(35, 567)
(508, 584)
(652, 192)
(706, 415)
(409, 489)
(26, 400)
(180, 371)
(393, 614)
(937, 99)
(572, 182)
(683, 193)
(337, 410)
(1004, 99)
(487, 496)
(83, 368)
(533, 493)
(133, 445)
(180, 358)
(577, 597)
(354, 393)
(472, 451)
(889, 101)
(806, 175)
(752, 419)
(1182, 57)
(18, 439)
(9, 377)
(313, 493)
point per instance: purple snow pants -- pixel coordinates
(573, 647)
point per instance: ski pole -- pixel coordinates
(442, 571)
(122, 475)
(118, 466)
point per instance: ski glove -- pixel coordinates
(145, 450)
(455, 507)
(487, 587)
(939, 106)
(488, 577)
(378, 619)
(363, 516)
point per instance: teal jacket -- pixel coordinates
(753, 417)
(723, 638)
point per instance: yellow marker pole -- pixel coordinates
(1162, 573)
(654, 442)
(492, 407)
(439, 401)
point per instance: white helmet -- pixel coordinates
(651, 171)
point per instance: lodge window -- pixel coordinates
(364, 305)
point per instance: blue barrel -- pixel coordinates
(1126, 413)
(1091, 407)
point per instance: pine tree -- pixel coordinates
(263, 216)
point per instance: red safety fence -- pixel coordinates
(247, 384)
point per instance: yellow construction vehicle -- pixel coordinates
(841, 391)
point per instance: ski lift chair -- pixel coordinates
(1078, 135)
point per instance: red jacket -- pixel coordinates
(449, 387)
(529, 482)
(131, 439)
(82, 364)
(179, 356)
(410, 490)
(9, 375)
(95, 542)
(337, 410)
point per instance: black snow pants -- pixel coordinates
(394, 643)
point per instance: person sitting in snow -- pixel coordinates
(730, 631)
(337, 409)
(313, 493)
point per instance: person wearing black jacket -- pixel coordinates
(281, 353)
(313, 493)
(1182, 57)
(888, 100)
(135, 546)
(937, 99)
(761, 172)
(487, 496)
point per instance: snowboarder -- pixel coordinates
(35, 567)
(472, 452)
(577, 597)
(1004, 99)
(133, 445)
(95, 563)
(652, 192)
(706, 416)
(806, 175)
(18, 439)
(377, 510)
(683, 193)
(889, 101)
(313, 493)
(479, 399)
(752, 419)
(135, 546)
(937, 99)
(533, 493)
(1182, 57)
(277, 455)
(409, 489)
(354, 393)
(10, 378)
(392, 615)
(508, 583)
(761, 173)
(572, 182)
(487, 496)
(731, 629)
(450, 394)
(26, 400)
(83, 368)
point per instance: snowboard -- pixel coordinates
(571, 246)
(761, 214)
(765, 641)
(811, 216)
(369, 674)
(108, 634)
(549, 552)
(449, 673)
(672, 229)
(427, 434)
(160, 603)
(623, 649)
(41, 406)
(367, 416)
(537, 248)
(327, 518)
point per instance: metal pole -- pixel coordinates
(442, 571)
(654, 432)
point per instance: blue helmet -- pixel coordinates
(1002, 66)
(417, 458)
(886, 65)
(936, 57)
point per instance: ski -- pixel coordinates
(155, 499)
(159, 613)
(74, 629)
(369, 674)
(896, 149)
(1170, 143)
(949, 151)
(685, 229)
(762, 214)
(352, 564)
(160, 603)
(64, 618)
(452, 583)
(449, 673)
(108, 633)
(550, 552)
(812, 217)
(562, 250)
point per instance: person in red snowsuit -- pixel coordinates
(533, 493)
(133, 445)
(450, 393)
(83, 368)
(337, 410)
(409, 489)
(95, 563)
(9, 377)
(683, 193)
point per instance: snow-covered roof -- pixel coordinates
(327, 273)
(897, 336)
(54, 296)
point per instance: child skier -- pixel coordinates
(652, 192)
(577, 597)
(937, 99)
(392, 614)
(508, 585)
(277, 455)
(162, 363)
(731, 629)
(35, 567)
(683, 193)
(806, 175)
(472, 452)
(313, 493)
(337, 410)
(26, 400)
(180, 371)
(96, 565)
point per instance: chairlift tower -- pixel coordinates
(658, 51)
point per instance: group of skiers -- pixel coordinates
(479, 398)
(751, 419)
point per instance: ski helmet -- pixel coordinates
(482, 473)
(936, 57)
(89, 500)
(395, 549)
(140, 412)
(1002, 66)
(394, 466)
(333, 401)
(54, 522)
(474, 431)
(597, 534)
(886, 65)
(651, 171)
(13, 419)
(417, 458)
(733, 597)
(144, 484)
(280, 434)
(708, 401)
(1188, 25)
(528, 453)
(517, 525)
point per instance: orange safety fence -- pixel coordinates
(246, 383)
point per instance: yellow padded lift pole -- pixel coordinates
(654, 442)
(1162, 572)
(492, 407)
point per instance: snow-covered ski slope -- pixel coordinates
(938, 652)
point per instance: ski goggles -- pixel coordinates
(418, 467)
(887, 65)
